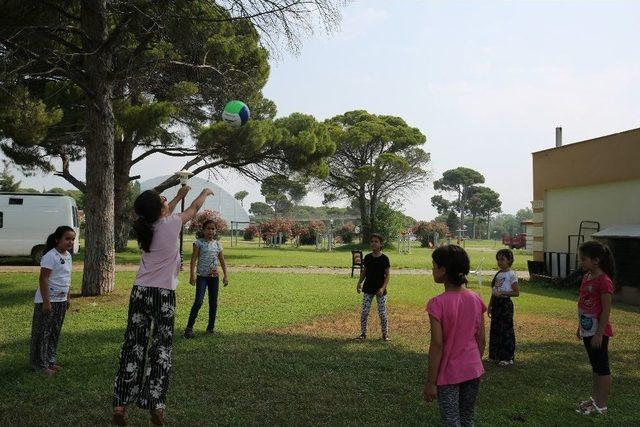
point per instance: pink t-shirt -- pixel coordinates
(460, 314)
(160, 266)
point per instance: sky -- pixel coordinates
(487, 83)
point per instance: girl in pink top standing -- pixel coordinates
(152, 305)
(457, 339)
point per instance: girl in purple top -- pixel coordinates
(457, 339)
(152, 305)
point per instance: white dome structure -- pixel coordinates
(230, 209)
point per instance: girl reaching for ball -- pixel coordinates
(457, 339)
(207, 254)
(152, 305)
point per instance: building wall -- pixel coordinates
(610, 204)
(593, 163)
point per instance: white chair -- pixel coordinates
(478, 272)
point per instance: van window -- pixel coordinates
(75, 216)
(1, 220)
(15, 201)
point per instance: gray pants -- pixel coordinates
(45, 331)
(456, 403)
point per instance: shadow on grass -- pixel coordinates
(289, 379)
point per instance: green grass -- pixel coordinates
(249, 254)
(283, 355)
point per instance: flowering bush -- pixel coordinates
(250, 233)
(272, 227)
(425, 231)
(347, 232)
(309, 231)
(195, 225)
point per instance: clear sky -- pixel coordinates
(486, 81)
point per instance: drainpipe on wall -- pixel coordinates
(558, 137)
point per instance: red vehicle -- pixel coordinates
(518, 241)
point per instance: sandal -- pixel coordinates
(585, 403)
(55, 367)
(361, 337)
(386, 338)
(157, 416)
(49, 372)
(119, 416)
(592, 409)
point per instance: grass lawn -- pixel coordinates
(249, 254)
(283, 355)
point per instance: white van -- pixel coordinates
(27, 219)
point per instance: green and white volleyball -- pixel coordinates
(236, 113)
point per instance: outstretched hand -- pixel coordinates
(183, 191)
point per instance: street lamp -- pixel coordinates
(184, 179)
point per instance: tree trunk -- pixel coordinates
(98, 277)
(473, 221)
(122, 210)
(365, 219)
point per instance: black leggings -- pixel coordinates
(599, 357)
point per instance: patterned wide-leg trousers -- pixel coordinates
(151, 314)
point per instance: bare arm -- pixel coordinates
(363, 274)
(605, 299)
(515, 291)
(182, 193)
(195, 206)
(194, 263)
(481, 338)
(386, 282)
(44, 289)
(435, 357)
(223, 264)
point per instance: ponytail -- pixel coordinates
(55, 237)
(148, 207)
(596, 250)
(455, 261)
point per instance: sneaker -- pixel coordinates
(505, 363)
(188, 333)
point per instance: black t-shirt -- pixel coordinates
(375, 268)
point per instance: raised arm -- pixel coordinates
(195, 206)
(182, 193)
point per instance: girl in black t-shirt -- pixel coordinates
(375, 276)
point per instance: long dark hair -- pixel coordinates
(200, 233)
(55, 237)
(148, 207)
(594, 249)
(455, 261)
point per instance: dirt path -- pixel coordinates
(254, 269)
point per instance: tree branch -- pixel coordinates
(69, 177)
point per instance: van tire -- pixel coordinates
(36, 254)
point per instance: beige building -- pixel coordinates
(596, 182)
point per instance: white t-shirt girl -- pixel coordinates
(504, 282)
(60, 277)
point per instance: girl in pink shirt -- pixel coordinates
(457, 339)
(152, 305)
(594, 328)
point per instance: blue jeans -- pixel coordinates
(202, 284)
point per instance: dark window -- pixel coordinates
(1, 220)
(15, 201)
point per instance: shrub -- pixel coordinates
(250, 233)
(347, 233)
(309, 231)
(425, 231)
(274, 226)
(195, 225)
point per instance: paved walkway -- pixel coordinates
(254, 269)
